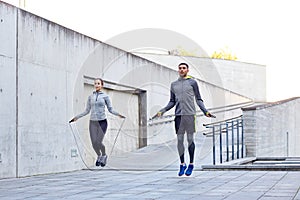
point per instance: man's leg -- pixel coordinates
(191, 146)
(180, 138)
(180, 144)
(180, 147)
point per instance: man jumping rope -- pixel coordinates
(183, 92)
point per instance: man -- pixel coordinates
(184, 92)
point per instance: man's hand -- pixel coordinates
(208, 114)
(159, 114)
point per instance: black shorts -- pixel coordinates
(185, 123)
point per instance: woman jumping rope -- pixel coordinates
(98, 123)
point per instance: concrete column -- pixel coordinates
(142, 96)
(250, 134)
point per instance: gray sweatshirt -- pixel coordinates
(184, 92)
(96, 105)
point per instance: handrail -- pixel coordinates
(225, 120)
(222, 129)
(234, 136)
(165, 119)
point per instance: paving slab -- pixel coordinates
(117, 184)
(151, 174)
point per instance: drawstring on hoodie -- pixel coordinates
(97, 94)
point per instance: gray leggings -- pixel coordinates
(97, 132)
(191, 146)
(185, 124)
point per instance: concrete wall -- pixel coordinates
(42, 85)
(8, 97)
(49, 58)
(246, 79)
(273, 129)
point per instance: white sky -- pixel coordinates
(258, 31)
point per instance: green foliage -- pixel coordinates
(224, 53)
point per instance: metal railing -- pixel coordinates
(230, 132)
(170, 118)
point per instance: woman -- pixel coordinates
(98, 123)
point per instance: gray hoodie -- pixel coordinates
(96, 105)
(184, 92)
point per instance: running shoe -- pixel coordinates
(181, 169)
(189, 170)
(98, 161)
(103, 160)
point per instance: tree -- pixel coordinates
(224, 53)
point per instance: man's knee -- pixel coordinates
(190, 138)
(180, 138)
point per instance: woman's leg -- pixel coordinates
(102, 131)
(94, 130)
(97, 132)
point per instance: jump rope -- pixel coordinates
(73, 130)
(77, 144)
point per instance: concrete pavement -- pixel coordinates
(151, 174)
(150, 185)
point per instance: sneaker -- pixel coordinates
(103, 160)
(189, 170)
(181, 170)
(98, 161)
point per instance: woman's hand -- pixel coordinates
(73, 120)
(121, 116)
